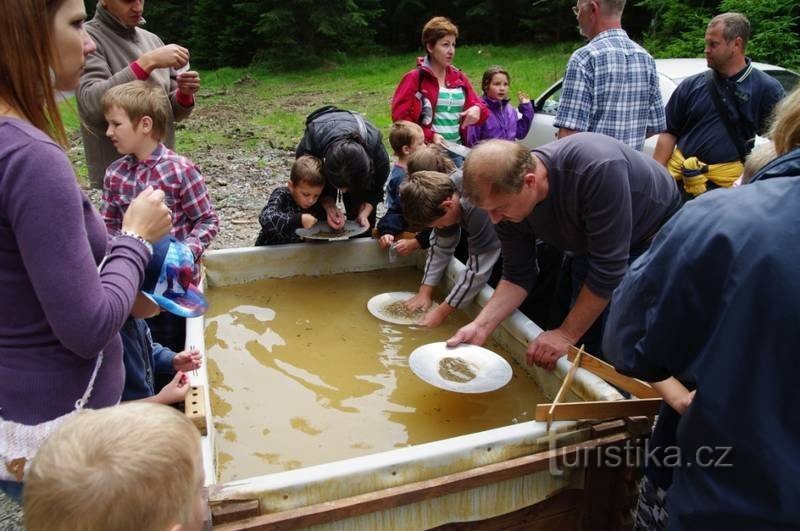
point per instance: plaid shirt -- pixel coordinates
(611, 87)
(194, 220)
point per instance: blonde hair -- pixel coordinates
(435, 29)
(785, 129)
(139, 99)
(402, 134)
(26, 57)
(430, 158)
(421, 196)
(129, 467)
(500, 164)
(307, 169)
(761, 155)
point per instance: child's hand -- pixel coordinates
(421, 300)
(385, 241)
(523, 97)
(406, 246)
(188, 360)
(363, 219)
(174, 391)
(308, 221)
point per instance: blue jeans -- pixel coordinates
(12, 489)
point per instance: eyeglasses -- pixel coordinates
(576, 9)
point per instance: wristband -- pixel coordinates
(138, 238)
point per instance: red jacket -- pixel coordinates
(405, 105)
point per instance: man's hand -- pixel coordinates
(547, 347)
(472, 333)
(169, 56)
(189, 82)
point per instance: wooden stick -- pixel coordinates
(599, 410)
(195, 407)
(576, 362)
(607, 372)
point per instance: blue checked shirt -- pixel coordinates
(611, 87)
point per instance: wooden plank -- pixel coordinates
(600, 410)
(233, 510)
(608, 373)
(195, 407)
(388, 498)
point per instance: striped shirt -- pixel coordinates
(446, 116)
(611, 87)
(194, 220)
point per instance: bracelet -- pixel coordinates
(138, 238)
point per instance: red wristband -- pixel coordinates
(140, 73)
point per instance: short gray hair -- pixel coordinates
(609, 8)
(734, 25)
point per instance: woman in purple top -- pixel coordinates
(57, 312)
(504, 122)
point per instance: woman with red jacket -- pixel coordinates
(435, 94)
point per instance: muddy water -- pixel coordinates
(301, 374)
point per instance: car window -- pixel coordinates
(548, 102)
(786, 78)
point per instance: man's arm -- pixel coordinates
(548, 346)
(507, 298)
(664, 148)
(563, 131)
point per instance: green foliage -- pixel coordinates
(678, 28)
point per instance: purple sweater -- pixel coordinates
(56, 312)
(503, 122)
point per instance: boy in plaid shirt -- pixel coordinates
(137, 114)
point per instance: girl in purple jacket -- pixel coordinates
(504, 122)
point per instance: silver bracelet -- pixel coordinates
(138, 238)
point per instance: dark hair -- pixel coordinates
(490, 73)
(347, 164)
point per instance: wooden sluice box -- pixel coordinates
(509, 472)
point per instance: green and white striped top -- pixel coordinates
(445, 117)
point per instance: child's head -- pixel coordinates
(405, 138)
(136, 112)
(136, 467)
(429, 199)
(430, 158)
(496, 82)
(306, 181)
(169, 283)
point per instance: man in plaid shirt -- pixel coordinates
(611, 84)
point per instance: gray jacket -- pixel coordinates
(117, 47)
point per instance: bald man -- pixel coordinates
(588, 194)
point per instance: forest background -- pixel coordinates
(302, 33)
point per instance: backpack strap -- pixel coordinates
(733, 133)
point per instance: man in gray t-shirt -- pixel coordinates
(588, 194)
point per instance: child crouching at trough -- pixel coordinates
(405, 138)
(132, 467)
(433, 199)
(293, 206)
